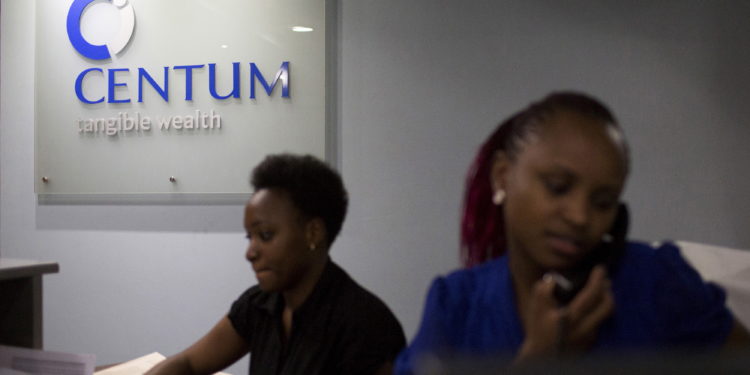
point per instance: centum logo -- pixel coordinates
(100, 52)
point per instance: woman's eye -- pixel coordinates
(557, 187)
(265, 235)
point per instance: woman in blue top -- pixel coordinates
(542, 212)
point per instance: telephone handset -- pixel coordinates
(569, 283)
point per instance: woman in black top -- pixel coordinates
(306, 315)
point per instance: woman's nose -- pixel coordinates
(577, 211)
(251, 254)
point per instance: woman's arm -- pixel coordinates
(219, 348)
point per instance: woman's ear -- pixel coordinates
(315, 234)
(499, 171)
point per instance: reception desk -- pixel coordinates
(21, 301)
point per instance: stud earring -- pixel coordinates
(498, 197)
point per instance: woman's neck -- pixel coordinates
(295, 297)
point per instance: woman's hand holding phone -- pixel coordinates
(552, 329)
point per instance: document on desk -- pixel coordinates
(137, 366)
(15, 360)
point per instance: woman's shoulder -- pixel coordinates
(657, 278)
(359, 316)
(254, 303)
(357, 304)
(664, 256)
(661, 269)
(477, 275)
(470, 285)
(649, 263)
(644, 249)
(254, 295)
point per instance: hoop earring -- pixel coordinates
(498, 197)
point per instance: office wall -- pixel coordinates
(421, 84)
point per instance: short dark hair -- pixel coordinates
(314, 187)
(482, 224)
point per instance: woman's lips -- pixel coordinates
(261, 270)
(564, 245)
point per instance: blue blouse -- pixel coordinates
(660, 300)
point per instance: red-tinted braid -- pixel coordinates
(482, 229)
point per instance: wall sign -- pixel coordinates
(174, 96)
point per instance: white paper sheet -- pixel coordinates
(137, 366)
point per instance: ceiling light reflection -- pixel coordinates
(302, 29)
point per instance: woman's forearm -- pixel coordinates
(174, 365)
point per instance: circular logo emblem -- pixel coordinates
(100, 52)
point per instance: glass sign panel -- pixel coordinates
(174, 96)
